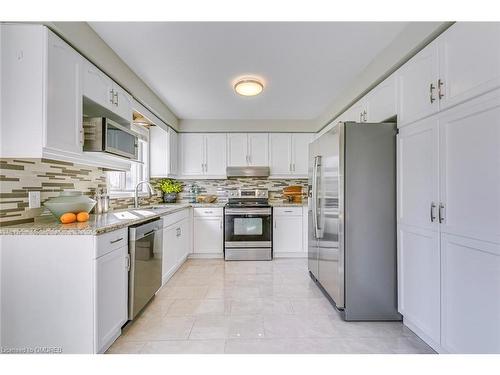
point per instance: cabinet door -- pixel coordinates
(287, 234)
(469, 61)
(470, 168)
(63, 130)
(215, 154)
(382, 101)
(111, 295)
(419, 280)
(356, 112)
(417, 81)
(280, 154)
(183, 240)
(208, 235)
(192, 154)
(300, 153)
(417, 173)
(258, 149)
(122, 103)
(470, 285)
(169, 253)
(173, 152)
(159, 150)
(237, 149)
(97, 86)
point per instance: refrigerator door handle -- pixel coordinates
(313, 195)
(317, 229)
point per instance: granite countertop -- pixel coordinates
(98, 224)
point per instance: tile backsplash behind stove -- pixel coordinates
(220, 187)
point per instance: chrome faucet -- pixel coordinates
(136, 192)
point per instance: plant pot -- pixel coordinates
(169, 197)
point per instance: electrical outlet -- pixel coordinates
(34, 199)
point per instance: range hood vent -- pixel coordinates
(247, 171)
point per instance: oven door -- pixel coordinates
(120, 141)
(248, 227)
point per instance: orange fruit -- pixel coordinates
(82, 216)
(68, 217)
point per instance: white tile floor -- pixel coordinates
(212, 306)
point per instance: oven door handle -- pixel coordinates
(255, 211)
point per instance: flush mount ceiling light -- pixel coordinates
(248, 86)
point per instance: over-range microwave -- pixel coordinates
(102, 134)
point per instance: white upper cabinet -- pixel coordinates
(247, 149)
(203, 155)
(469, 169)
(63, 130)
(382, 101)
(258, 149)
(300, 153)
(192, 154)
(280, 154)
(418, 194)
(237, 149)
(215, 154)
(101, 90)
(163, 151)
(358, 112)
(288, 154)
(417, 86)
(469, 57)
(96, 85)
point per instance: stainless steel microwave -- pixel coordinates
(104, 135)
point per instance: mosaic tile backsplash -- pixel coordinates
(50, 177)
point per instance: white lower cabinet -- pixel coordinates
(208, 231)
(288, 232)
(111, 272)
(419, 283)
(470, 300)
(176, 241)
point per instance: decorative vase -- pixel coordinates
(169, 197)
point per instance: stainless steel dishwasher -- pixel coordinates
(145, 249)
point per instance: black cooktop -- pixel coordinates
(247, 204)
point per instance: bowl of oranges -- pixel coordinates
(70, 206)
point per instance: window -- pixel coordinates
(124, 183)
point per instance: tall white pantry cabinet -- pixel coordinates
(449, 226)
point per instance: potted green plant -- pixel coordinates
(170, 188)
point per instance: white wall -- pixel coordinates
(247, 125)
(84, 39)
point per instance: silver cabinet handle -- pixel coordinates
(433, 212)
(112, 96)
(116, 97)
(294, 167)
(365, 116)
(178, 232)
(274, 223)
(431, 93)
(117, 240)
(290, 167)
(288, 211)
(360, 116)
(440, 90)
(128, 262)
(209, 212)
(220, 224)
(442, 213)
(81, 136)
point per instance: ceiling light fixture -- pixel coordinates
(248, 86)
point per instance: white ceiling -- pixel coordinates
(191, 66)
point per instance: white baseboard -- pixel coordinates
(206, 256)
(290, 255)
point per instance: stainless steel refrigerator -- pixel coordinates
(352, 219)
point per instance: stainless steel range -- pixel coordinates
(248, 225)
